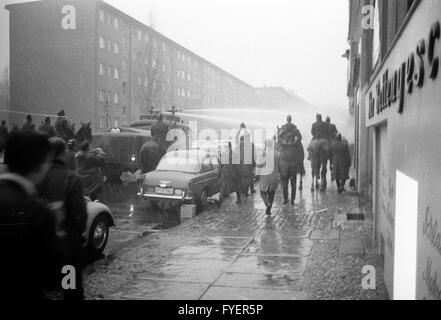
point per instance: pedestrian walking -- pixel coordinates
(248, 164)
(27, 227)
(62, 189)
(47, 128)
(230, 173)
(269, 181)
(290, 163)
(28, 125)
(89, 165)
(342, 162)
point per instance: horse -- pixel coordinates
(84, 133)
(319, 164)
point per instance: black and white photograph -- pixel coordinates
(220, 154)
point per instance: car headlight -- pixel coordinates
(133, 158)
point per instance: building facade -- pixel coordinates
(400, 97)
(101, 65)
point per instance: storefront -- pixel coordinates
(404, 109)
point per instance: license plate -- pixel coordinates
(167, 191)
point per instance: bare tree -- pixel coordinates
(153, 59)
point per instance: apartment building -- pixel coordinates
(103, 66)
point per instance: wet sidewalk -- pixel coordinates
(309, 251)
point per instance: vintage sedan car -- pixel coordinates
(184, 177)
(99, 220)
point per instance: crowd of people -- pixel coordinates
(288, 162)
(43, 183)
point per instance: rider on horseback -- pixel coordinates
(320, 130)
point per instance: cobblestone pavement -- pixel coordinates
(309, 251)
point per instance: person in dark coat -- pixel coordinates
(3, 135)
(269, 181)
(28, 125)
(47, 128)
(159, 132)
(62, 128)
(27, 226)
(230, 173)
(62, 189)
(71, 161)
(319, 131)
(290, 163)
(342, 162)
(332, 129)
(89, 165)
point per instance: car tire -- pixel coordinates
(203, 199)
(98, 236)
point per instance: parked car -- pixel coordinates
(99, 220)
(188, 176)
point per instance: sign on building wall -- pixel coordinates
(405, 97)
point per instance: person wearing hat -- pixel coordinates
(47, 128)
(342, 161)
(62, 126)
(28, 125)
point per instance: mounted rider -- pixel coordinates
(159, 132)
(320, 133)
(332, 129)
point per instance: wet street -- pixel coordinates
(309, 251)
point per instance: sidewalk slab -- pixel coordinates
(325, 235)
(351, 246)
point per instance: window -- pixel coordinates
(109, 71)
(102, 95)
(179, 55)
(154, 63)
(102, 16)
(182, 57)
(116, 74)
(188, 76)
(116, 47)
(102, 123)
(102, 43)
(116, 23)
(102, 69)
(179, 91)
(183, 75)
(189, 60)
(116, 98)
(376, 35)
(139, 35)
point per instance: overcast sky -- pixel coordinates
(296, 44)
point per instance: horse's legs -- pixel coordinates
(323, 174)
(293, 180)
(301, 183)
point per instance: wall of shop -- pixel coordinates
(404, 107)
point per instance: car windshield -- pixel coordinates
(185, 165)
